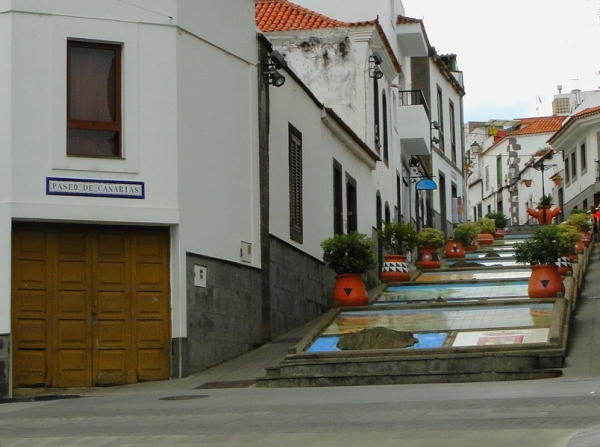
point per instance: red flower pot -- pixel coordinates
(454, 249)
(499, 234)
(350, 290)
(545, 281)
(564, 265)
(428, 258)
(395, 269)
(586, 239)
(485, 239)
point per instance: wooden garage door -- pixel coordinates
(90, 305)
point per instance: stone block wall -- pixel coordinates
(4, 365)
(301, 287)
(223, 319)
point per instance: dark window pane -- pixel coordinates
(92, 84)
(92, 143)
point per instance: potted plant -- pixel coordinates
(582, 222)
(541, 252)
(487, 228)
(464, 235)
(572, 235)
(397, 239)
(349, 256)
(501, 222)
(429, 241)
(543, 213)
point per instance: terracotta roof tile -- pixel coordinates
(572, 118)
(282, 15)
(544, 124)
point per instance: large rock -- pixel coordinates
(376, 338)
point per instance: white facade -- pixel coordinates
(185, 137)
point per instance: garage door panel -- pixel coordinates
(152, 365)
(112, 333)
(72, 244)
(112, 305)
(31, 244)
(150, 334)
(73, 368)
(112, 362)
(111, 275)
(32, 367)
(31, 274)
(73, 333)
(72, 304)
(72, 275)
(31, 303)
(31, 333)
(150, 304)
(111, 245)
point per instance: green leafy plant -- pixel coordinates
(349, 253)
(499, 219)
(546, 200)
(397, 237)
(486, 225)
(546, 246)
(570, 234)
(431, 237)
(466, 233)
(581, 221)
(578, 211)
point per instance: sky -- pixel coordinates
(514, 53)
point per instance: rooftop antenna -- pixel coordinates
(559, 87)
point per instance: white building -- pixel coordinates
(505, 167)
(111, 205)
(578, 141)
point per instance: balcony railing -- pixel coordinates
(413, 98)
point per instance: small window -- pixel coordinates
(295, 168)
(338, 199)
(351, 204)
(574, 165)
(567, 171)
(583, 158)
(93, 99)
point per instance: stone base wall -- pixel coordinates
(4, 365)
(223, 319)
(300, 288)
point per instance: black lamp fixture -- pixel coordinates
(275, 61)
(375, 61)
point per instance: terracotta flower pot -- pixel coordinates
(428, 258)
(586, 239)
(545, 281)
(499, 234)
(350, 290)
(472, 247)
(395, 269)
(564, 266)
(579, 247)
(454, 249)
(485, 239)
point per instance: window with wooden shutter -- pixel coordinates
(295, 158)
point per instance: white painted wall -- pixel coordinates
(5, 170)
(319, 147)
(189, 125)
(218, 150)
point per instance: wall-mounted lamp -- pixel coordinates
(435, 140)
(475, 148)
(435, 125)
(375, 61)
(275, 61)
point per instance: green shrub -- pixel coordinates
(398, 238)
(431, 237)
(349, 253)
(546, 246)
(486, 225)
(466, 233)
